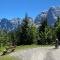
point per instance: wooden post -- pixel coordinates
(56, 44)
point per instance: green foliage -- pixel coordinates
(17, 35)
(33, 34)
(3, 38)
(57, 28)
(50, 35)
(27, 35)
(42, 25)
(46, 34)
(57, 22)
(11, 36)
(41, 31)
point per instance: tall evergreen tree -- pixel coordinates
(57, 28)
(25, 31)
(42, 30)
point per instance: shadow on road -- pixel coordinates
(49, 56)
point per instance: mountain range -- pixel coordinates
(9, 25)
(51, 15)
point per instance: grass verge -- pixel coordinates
(22, 47)
(7, 57)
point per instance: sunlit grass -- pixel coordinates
(7, 57)
(22, 47)
(26, 47)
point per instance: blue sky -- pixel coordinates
(18, 8)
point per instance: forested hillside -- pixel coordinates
(28, 33)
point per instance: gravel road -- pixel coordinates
(41, 53)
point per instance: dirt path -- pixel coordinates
(49, 56)
(41, 53)
(31, 54)
(53, 54)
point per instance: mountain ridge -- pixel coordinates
(51, 15)
(9, 25)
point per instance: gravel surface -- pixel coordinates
(41, 53)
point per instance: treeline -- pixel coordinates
(29, 33)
